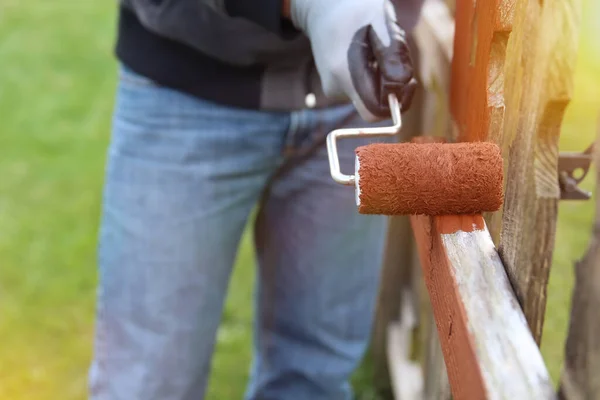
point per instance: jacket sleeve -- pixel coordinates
(266, 13)
(176, 19)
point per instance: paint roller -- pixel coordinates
(420, 178)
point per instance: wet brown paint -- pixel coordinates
(458, 347)
(447, 224)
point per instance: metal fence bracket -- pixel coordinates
(572, 169)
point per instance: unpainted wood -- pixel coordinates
(488, 349)
(434, 35)
(396, 277)
(451, 4)
(437, 385)
(539, 72)
(406, 373)
(512, 78)
(580, 379)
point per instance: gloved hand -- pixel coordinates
(360, 51)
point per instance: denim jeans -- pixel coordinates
(183, 176)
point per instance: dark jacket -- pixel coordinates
(236, 52)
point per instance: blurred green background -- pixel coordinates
(57, 80)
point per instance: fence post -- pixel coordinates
(580, 378)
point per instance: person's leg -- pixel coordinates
(320, 267)
(182, 177)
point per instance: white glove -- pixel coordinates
(360, 51)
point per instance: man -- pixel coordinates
(222, 106)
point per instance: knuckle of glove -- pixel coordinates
(334, 83)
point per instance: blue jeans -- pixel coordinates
(183, 176)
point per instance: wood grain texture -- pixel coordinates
(488, 349)
(580, 378)
(512, 78)
(539, 70)
(434, 34)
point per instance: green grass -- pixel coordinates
(57, 77)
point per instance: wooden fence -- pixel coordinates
(463, 299)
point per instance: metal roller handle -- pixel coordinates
(334, 161)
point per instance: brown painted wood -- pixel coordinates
(457, 344)
(512, 78)
(476, 97)
(488, 349)
(580, 378)
(428, 350)
(481, 36)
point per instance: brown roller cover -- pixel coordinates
(429, 178)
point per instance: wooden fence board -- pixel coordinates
(396, 278)
(434, 35)
(488, 348)
(539, 77)
(436, 384)
(406, 374)
(476, 94)
(511, 82)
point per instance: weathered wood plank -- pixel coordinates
(406, 374)
(580, 378)
(434, 35)
(488, 349)
(511, 82)
(396, 278)
(539, 71)
(436, 383)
